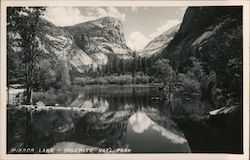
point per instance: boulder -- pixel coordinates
(40, 104)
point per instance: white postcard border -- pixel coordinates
(179, 156)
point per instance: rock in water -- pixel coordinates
(40, 104)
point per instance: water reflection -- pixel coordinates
(141, 127)
(91, 104)
(116, 117)
(141, 122)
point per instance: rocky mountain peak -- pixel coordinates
(159, 43)
(108, 20)
(100, 39)
(109, 28)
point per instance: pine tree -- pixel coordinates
(62, 74)
(25, 20)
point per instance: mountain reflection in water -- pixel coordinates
(146, 135)
(116, 117)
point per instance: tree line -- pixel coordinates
(119, 66)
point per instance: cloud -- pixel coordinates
(134, 9)
(166, 26)
(137, 41)
(181, 10)
(65, 16)
(111, 12)
(101, 11)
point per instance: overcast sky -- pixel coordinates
(140, 24)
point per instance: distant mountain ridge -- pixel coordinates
(158, 44)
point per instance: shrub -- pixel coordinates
(195, 80)
(61, 96)
(80, 81)
(113, 79)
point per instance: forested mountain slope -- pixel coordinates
(213, 35)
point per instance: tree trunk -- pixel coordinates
(29, 94)
(29, 81)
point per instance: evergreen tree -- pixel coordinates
(163, 71)
(25, 20)
(62, 74)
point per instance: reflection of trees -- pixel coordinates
(16, 121)
(190, 108)
(100, 104)
(54, 126)
(106, 129)
(103, 130)
(40, 129)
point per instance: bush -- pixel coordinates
(208, 84)
(48, 98)
(61, 96)
(113, 79)
(189, 83)
(80, 81)
(195, 80)
(142, 79)
(162, 71)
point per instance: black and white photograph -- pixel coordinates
(124, 80)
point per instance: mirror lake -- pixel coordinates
(114, 117)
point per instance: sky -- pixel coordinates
(140, 24)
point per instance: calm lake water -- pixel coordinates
(116, 119)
